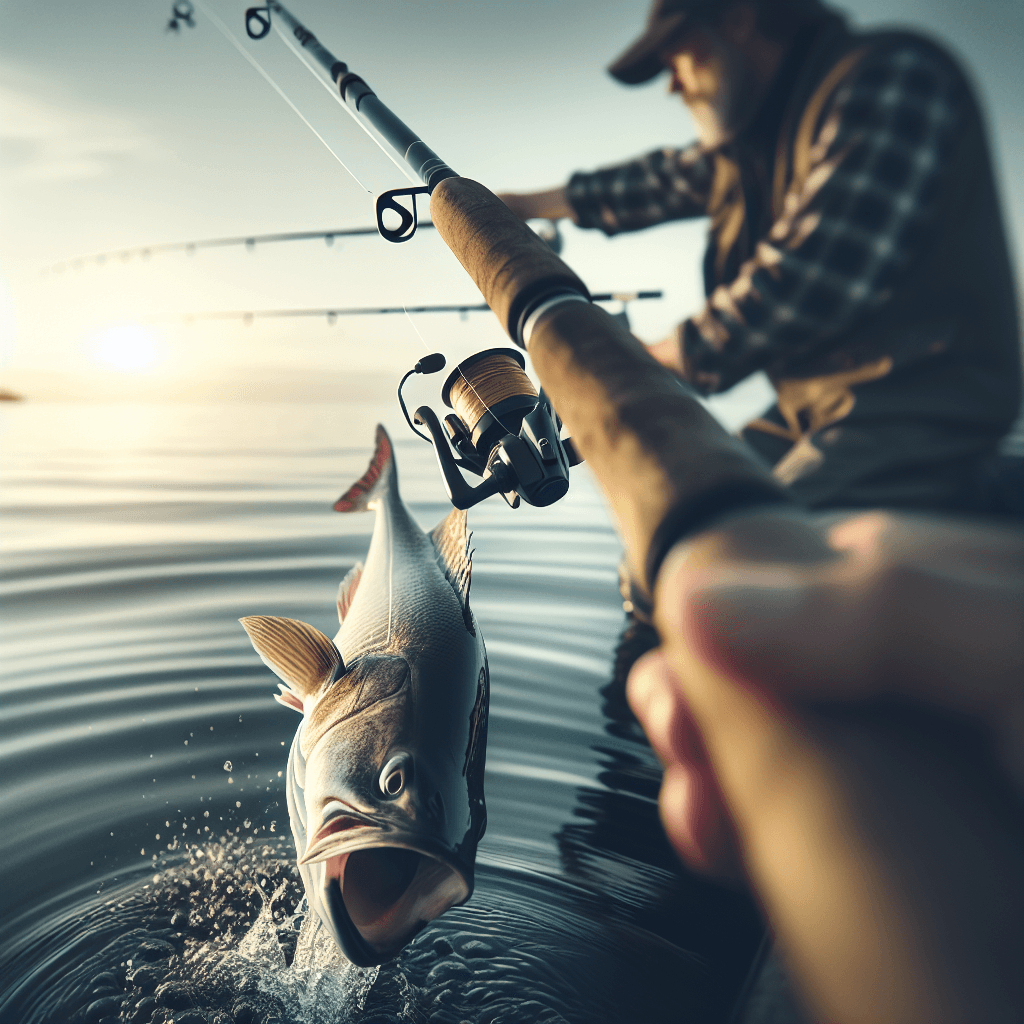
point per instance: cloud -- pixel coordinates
(62, 140)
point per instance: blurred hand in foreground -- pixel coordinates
(756, 623)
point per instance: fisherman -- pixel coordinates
(856, 250)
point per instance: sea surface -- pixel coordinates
(148, 871)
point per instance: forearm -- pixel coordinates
(550, 204)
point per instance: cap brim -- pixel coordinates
(642, 61)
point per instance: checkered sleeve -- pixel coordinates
(668, 184)
(842, 241)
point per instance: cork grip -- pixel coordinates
(509, 263)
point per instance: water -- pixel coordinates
(148, 869)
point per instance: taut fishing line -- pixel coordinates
(230, 37)
(412, 324)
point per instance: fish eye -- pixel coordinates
(394, 775)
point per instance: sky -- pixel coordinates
(116, 133)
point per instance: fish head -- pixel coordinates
(386, 809)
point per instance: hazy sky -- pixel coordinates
(116, 133)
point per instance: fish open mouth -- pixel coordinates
(379, 897)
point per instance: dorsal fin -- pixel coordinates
(347, 590)
(298, 653)
(379, 477)
(451, 541)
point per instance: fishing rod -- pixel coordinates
(332, 313)
(547, 229)
(362, 103)
(249, 241)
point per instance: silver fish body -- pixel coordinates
(385, 774)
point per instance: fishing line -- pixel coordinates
(412, 324)
(335, 95)
(482, 402)
(227, 33)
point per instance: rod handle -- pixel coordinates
(510, 264)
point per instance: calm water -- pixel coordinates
(147, 861)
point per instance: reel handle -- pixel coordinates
(460, 493)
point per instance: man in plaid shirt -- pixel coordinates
(856, 251)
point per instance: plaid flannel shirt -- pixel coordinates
(840, 244)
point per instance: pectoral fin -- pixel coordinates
(299, 654)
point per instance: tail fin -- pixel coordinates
(380, 476)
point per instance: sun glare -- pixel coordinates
(129, 348)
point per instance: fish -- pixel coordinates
(385, 780)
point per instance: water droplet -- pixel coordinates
(238, 803)
(158, 835)
(246, 823)
(206, 814)
(142, 852)
(279, 775)
(228, 766)
(230, 780)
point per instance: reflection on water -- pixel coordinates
(142, 754)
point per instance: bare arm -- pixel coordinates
(551, 204)
(918, 611)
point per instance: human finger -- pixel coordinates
(904, 611)
(691, 806)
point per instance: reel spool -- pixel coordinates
(502, 430)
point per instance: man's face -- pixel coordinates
(716, 81)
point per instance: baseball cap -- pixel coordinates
(642, 61)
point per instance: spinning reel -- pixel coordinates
(502, 429)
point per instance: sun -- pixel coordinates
(128, 348)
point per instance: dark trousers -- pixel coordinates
(882, 463)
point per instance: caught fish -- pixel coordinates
(385, 774)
